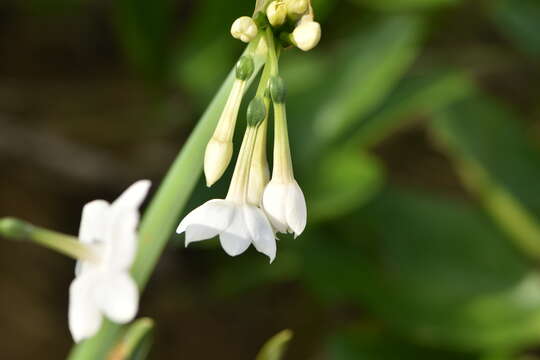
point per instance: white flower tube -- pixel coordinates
(283, 200)
(259, 174)
(104, 287)
(219, 150)
(237, 222)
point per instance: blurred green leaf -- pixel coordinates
(137, 341)
(392, 5)
(435, 270)
(519, 20)
(365, 344)
(415, 97)
(275, 347)
(496, 160)
(145, 30)
(375, 60)
(343, 179)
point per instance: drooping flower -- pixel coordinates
(104, 287)
(283, 200)
(237, 222)
(220, 147)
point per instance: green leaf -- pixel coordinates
(432, 269)
(343, 179)
(496, 161)
(367, 344)
(393, 5)
(374, 62)
(518, 20)
(275, 347)
(416, 97)
(137, 341)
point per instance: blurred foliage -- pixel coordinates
(409, 273)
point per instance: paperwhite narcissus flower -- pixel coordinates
(105, 287)
(244, 29)
(283, 200)
(237, 222)
(219, 150)
(307, 34)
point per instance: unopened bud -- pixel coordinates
(244, 28)
(296, 8)
(306, 35)
(15, 229)
(216, 159)
(277, 89)
(276, 13)
(256, 111)
(244, 67)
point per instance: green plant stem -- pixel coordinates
(16, 229)
(163, 213)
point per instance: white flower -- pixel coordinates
(283, 200)
(285, 205)
(237, 222)
(297, 7)
(104, 287)
(276, 12)
(307, 34)
(244, 29)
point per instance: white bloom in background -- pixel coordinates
(307, 33)
(237, 222)
(219, 150)
(105, 287)
(276, 12)
(244, 29)
(283, 200)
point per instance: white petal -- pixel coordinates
(121, 241)
(274, 205)
(118, 296)
(84, 316)
(296, 209)
(207, 221)
(236, 238)
(94, 221)
(133, 196)
(261, 231)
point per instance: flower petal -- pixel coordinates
(261, 231)
(94, 221)
(84, 316)
(133, 196)
(274, 198)
(118, 296)
(207, 221)
(296, 209)
(236, 238)
(121, 240)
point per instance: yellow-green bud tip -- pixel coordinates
(256, 111)
(277, 89)
(15, 228)
(244, 67)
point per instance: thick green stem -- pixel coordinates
(163, 214)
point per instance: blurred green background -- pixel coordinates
(415, 132)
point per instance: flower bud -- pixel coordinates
(15, 228)
(216, 159)
(296, 8)
(244, 29)
(285, 206)
(276, 13)
(277, 89)
(306, 35)
(256, 112)
(244, 67)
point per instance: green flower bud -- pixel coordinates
(244, 67)
(277, 89)
(256, 112)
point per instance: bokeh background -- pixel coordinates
(415, 133)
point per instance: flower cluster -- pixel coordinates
(256, 206)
